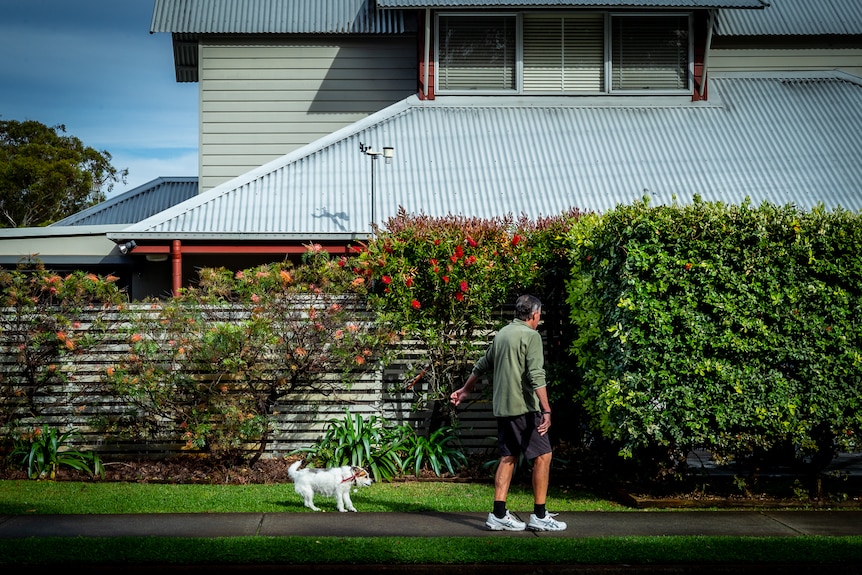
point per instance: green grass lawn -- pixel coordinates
(37, 497)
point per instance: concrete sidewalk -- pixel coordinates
(769, 523)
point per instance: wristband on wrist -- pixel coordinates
(546, 412)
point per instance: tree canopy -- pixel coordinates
(46, 175)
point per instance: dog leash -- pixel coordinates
(348, 479)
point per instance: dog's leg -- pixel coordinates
(347, 502)
(339, 501)
(307, 497)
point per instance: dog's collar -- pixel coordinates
(351, 478)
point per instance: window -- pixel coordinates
(579, 53)
(477, 53)
(650, 52)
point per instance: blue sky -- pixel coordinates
(93, 66)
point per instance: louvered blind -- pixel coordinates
(477, 53)
(564, 53)
(650, 52)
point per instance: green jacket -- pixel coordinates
(517, 358)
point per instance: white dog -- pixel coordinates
(332, 482)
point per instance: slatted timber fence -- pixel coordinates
(300, 418)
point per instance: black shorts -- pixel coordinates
(519, 434)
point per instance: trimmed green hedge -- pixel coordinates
(733, 328)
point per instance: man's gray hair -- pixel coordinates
(526, 305)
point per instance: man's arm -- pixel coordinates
(461, 394)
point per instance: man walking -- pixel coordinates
(523, 413)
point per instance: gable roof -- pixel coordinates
(794, 18)
(136, 204)
(277, 17)
(788, 139)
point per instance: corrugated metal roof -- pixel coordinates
(793, 18)
(572, 3)
(794, 139)
(136, 204)
(277, 17)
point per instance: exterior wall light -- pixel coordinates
(127, 247)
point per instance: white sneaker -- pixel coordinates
(546, 523)
(507, 523)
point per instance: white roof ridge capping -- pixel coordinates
(145, 226)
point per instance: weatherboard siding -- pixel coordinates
(729, 58)
(262, 99)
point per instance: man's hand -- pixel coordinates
(545, 425)
(457, 396)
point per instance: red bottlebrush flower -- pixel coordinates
(342, 261)
(516, 239)
(409, 282)
(459, 296)
(445, 279)
(464, 285)
(415, 303)
(386, 279)
(471, 242)
(433, 262)
(459, 252)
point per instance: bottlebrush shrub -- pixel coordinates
(43, 327)
(729, 327)
(210, 365)
(442, 282)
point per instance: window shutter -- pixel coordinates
(650, 52)
(477, 53)
(564, 54)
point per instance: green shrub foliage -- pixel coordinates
(733, 328)
(442, 282)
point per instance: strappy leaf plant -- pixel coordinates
(43, 452)
(441, 451)
(363, 442)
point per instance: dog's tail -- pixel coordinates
(291, 471)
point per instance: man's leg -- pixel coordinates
(500, 519)
(503, 477)
(541, 520)
(541, 474)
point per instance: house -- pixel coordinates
(80, 241)
(320, 118)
